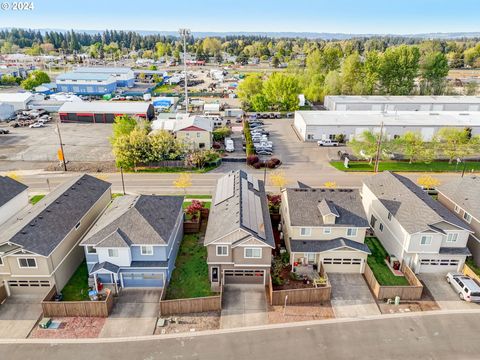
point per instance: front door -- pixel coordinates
(214, 274)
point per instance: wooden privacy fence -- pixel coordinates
(76, 308)
(407, 292)
(299, 296)
(3, 293)
(189, 306)
(467, 270)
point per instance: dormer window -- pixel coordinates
(467, 217)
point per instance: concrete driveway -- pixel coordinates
(243, 305)
(351, 296)
(18, 315)
(444, 294)
(135, 313)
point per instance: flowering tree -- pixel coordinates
(194, 208)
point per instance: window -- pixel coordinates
(91, 250)
(222, 250)
(113, 252)
(452, 237)
(146, 250)
(327, 230)
(373, 221)
(77, 226)
(467, 217)
(198, 134)
(380, 227)
(352, 232)
(253, 253)
(426, 240)
(305, 231)
(457, 209)
(389, 216)
(27, 262)
(311, 258)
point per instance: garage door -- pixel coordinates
(142, 279)
(438, 265)
(244, 277)
(28, 286)
(342, 265)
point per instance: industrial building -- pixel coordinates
(322, 125)
(95, 80)
(402, 103)
(103, 112)
(19, 100)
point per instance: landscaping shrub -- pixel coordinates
(276, 161)
(193, 210)
(277, 267)
(285, 257)
(274, 203)
(252, 159)
(270, 164)
(216, 145)
(257, 165)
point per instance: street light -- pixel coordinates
(184, 33)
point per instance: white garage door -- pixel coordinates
(342, 265)
(438, 265)
(28, 286)
(244, 277)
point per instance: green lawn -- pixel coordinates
(77, 287)
(115, 195)
(471, 264)
(36, 198)
(376, 262)
(435, 166)
(175, 170)
(190, 277)
(190, 196)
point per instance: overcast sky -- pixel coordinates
(343, 16)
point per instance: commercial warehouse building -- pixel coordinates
(103, 112)
(95, 80)
(19, 100)
(402, 103)
(321, 125)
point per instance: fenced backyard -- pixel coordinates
(189, 306)
(53, 308)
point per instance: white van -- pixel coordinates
(229, 146)
(465, 286)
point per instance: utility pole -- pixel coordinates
(123, 182)
(61, 146)
(379, 145)
(184, 33)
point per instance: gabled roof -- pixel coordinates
(43, 226)
(327, 245)
(136, 220)
(105, 266)
(9, 188)
(464, 192)
(240, 203)
(307, 206)
(200, 122)
(410, 205)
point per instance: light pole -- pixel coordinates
(184, 33)
(61, 146)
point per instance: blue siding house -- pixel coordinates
(136, 241)
(86, 83)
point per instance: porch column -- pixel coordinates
(95, 279)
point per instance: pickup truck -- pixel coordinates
(327, 142)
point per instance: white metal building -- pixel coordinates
(19, 100)
(321, 125)
(402, 103)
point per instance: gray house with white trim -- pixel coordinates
(136, 240)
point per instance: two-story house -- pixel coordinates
(135, 242)
(195, 131)
(414, 227)
(13, 197)
(39, 245)
(325, 226)
(239, 236)
(462, 197)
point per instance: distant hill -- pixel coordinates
(305, 35)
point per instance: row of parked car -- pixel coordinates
(260, 137)
(270, 115)
(32, 118)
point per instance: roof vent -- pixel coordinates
(23, 232)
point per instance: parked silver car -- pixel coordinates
(465, 286)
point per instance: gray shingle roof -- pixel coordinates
(326, 245)
(454, 251)
(303, 206)
(9, 188)
(141, 220)
(41, 228)
(327, 208)
(105, 266)
(465, 192)
(409, 204)
(245, 208)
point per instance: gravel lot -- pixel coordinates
(303, 312)
(184, 323)
(71, 328)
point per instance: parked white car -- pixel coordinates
(327, 142)
(37, 125)
(466, 288)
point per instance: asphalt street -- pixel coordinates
(427, 336)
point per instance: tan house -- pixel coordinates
(195, 131)
(39, 246)
(325, 226)
(462, 197)
(414, 227)
(239, 236)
